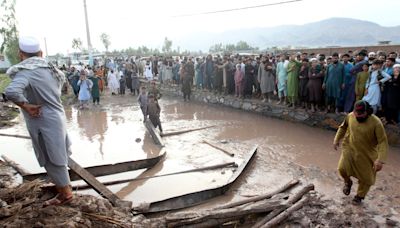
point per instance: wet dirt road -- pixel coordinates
(106, 134)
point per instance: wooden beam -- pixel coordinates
(184, 131)
(154, 134)
(15, 165)
(219, 148)
(96, 185)
(15, 136)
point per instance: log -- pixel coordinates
(219, 148)
(184, 131)
(15, 165)
(284, 215)
(156, 137)
(97, 186)
(223, 215)
(292, 200)
(82, 187)
(261, 197)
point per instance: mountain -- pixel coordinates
(329, 32)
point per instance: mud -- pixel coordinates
(108, 133)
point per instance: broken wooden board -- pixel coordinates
(96, 185)
(154, 134)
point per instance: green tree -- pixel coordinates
(243, 45)
(105, 39)
(8, 31)
(77, 44)
(166, 48)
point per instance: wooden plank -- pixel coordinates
(97, 186)
(15, 136)
(103, 170)
(184, 131)
(154, 134)
(15, 165)
(219, 148)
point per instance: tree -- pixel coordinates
(167, 45)
(9, 32)
(105, 39)
(243, 45)
(77, 44)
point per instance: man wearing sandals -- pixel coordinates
(364, 149)
(36, 88)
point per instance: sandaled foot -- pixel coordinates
(347, 188)
(357, 200)
(58, 200)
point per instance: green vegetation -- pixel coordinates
(4, 81)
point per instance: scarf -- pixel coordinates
(34, 63)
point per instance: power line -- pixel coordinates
(237, 9)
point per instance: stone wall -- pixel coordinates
(328, 121)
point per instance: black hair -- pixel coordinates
(29, 55)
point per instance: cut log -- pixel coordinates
(15, 136)
(15, 165)
(292, 200)
(184, 131)
(219, 148)
(284, 215)
(97, 186)
(261, 197)
(230, 164)
(221, 215)
(154, 134)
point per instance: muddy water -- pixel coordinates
(107, 134)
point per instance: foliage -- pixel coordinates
(240, 46)
(105, 39)
(4, 81)
(167, 45)
(77, 44)
(9, 32)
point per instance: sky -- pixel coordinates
(131, 23)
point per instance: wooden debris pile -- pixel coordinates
(266, 210)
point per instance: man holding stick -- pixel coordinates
(36, 88)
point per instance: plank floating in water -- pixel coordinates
(154, 134)
(219, 148)
(199, 197)
(104, 170)
(219, 166)
(184, 131)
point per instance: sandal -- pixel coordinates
(58, 200)
(347, 188)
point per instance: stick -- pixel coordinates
(154, 135)
(15, 136)
(296, 197)
(184, 131)
(219, 148)
(284, 215)
(15, 165)
(261, 197)
(81, 187)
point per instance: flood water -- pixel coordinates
(108, 134)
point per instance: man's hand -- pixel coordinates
(378, 165)
(343, 86)
(323, 86)
(335, 146)
(32, 110)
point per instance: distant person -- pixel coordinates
(154, 91)
(36, 88)
(348, 94)
(113, 83)
(143, 101)
(364, 149)
(392, 110)
(361, 81)
(293, 70)
(333, 83)
(187, 80)
(135, 80)
(266, 79)
(122, 85)
(153, 111)
(85, 86)
(96, 89)
(148, 72)
(303, 82)
(281, 79)
(314, 86)
(373, 90)
(239, 81)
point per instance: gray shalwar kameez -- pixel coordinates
(48, 132)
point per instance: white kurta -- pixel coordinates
(113, 82)
(373, 97)
(147, 72)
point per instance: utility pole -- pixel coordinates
(45, 47)
(88, 34)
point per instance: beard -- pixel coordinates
(361, 119)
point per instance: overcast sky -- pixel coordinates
(135, 23)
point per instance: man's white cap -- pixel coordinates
(396, 66)
(372, 54)
(29, 44)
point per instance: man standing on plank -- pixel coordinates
(364, 149)
(36, 88)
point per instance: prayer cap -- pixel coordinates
(371, 54)
(29, 44)
(396, 66)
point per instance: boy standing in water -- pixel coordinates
(122, 85)
(153, 110)
(143, 101)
